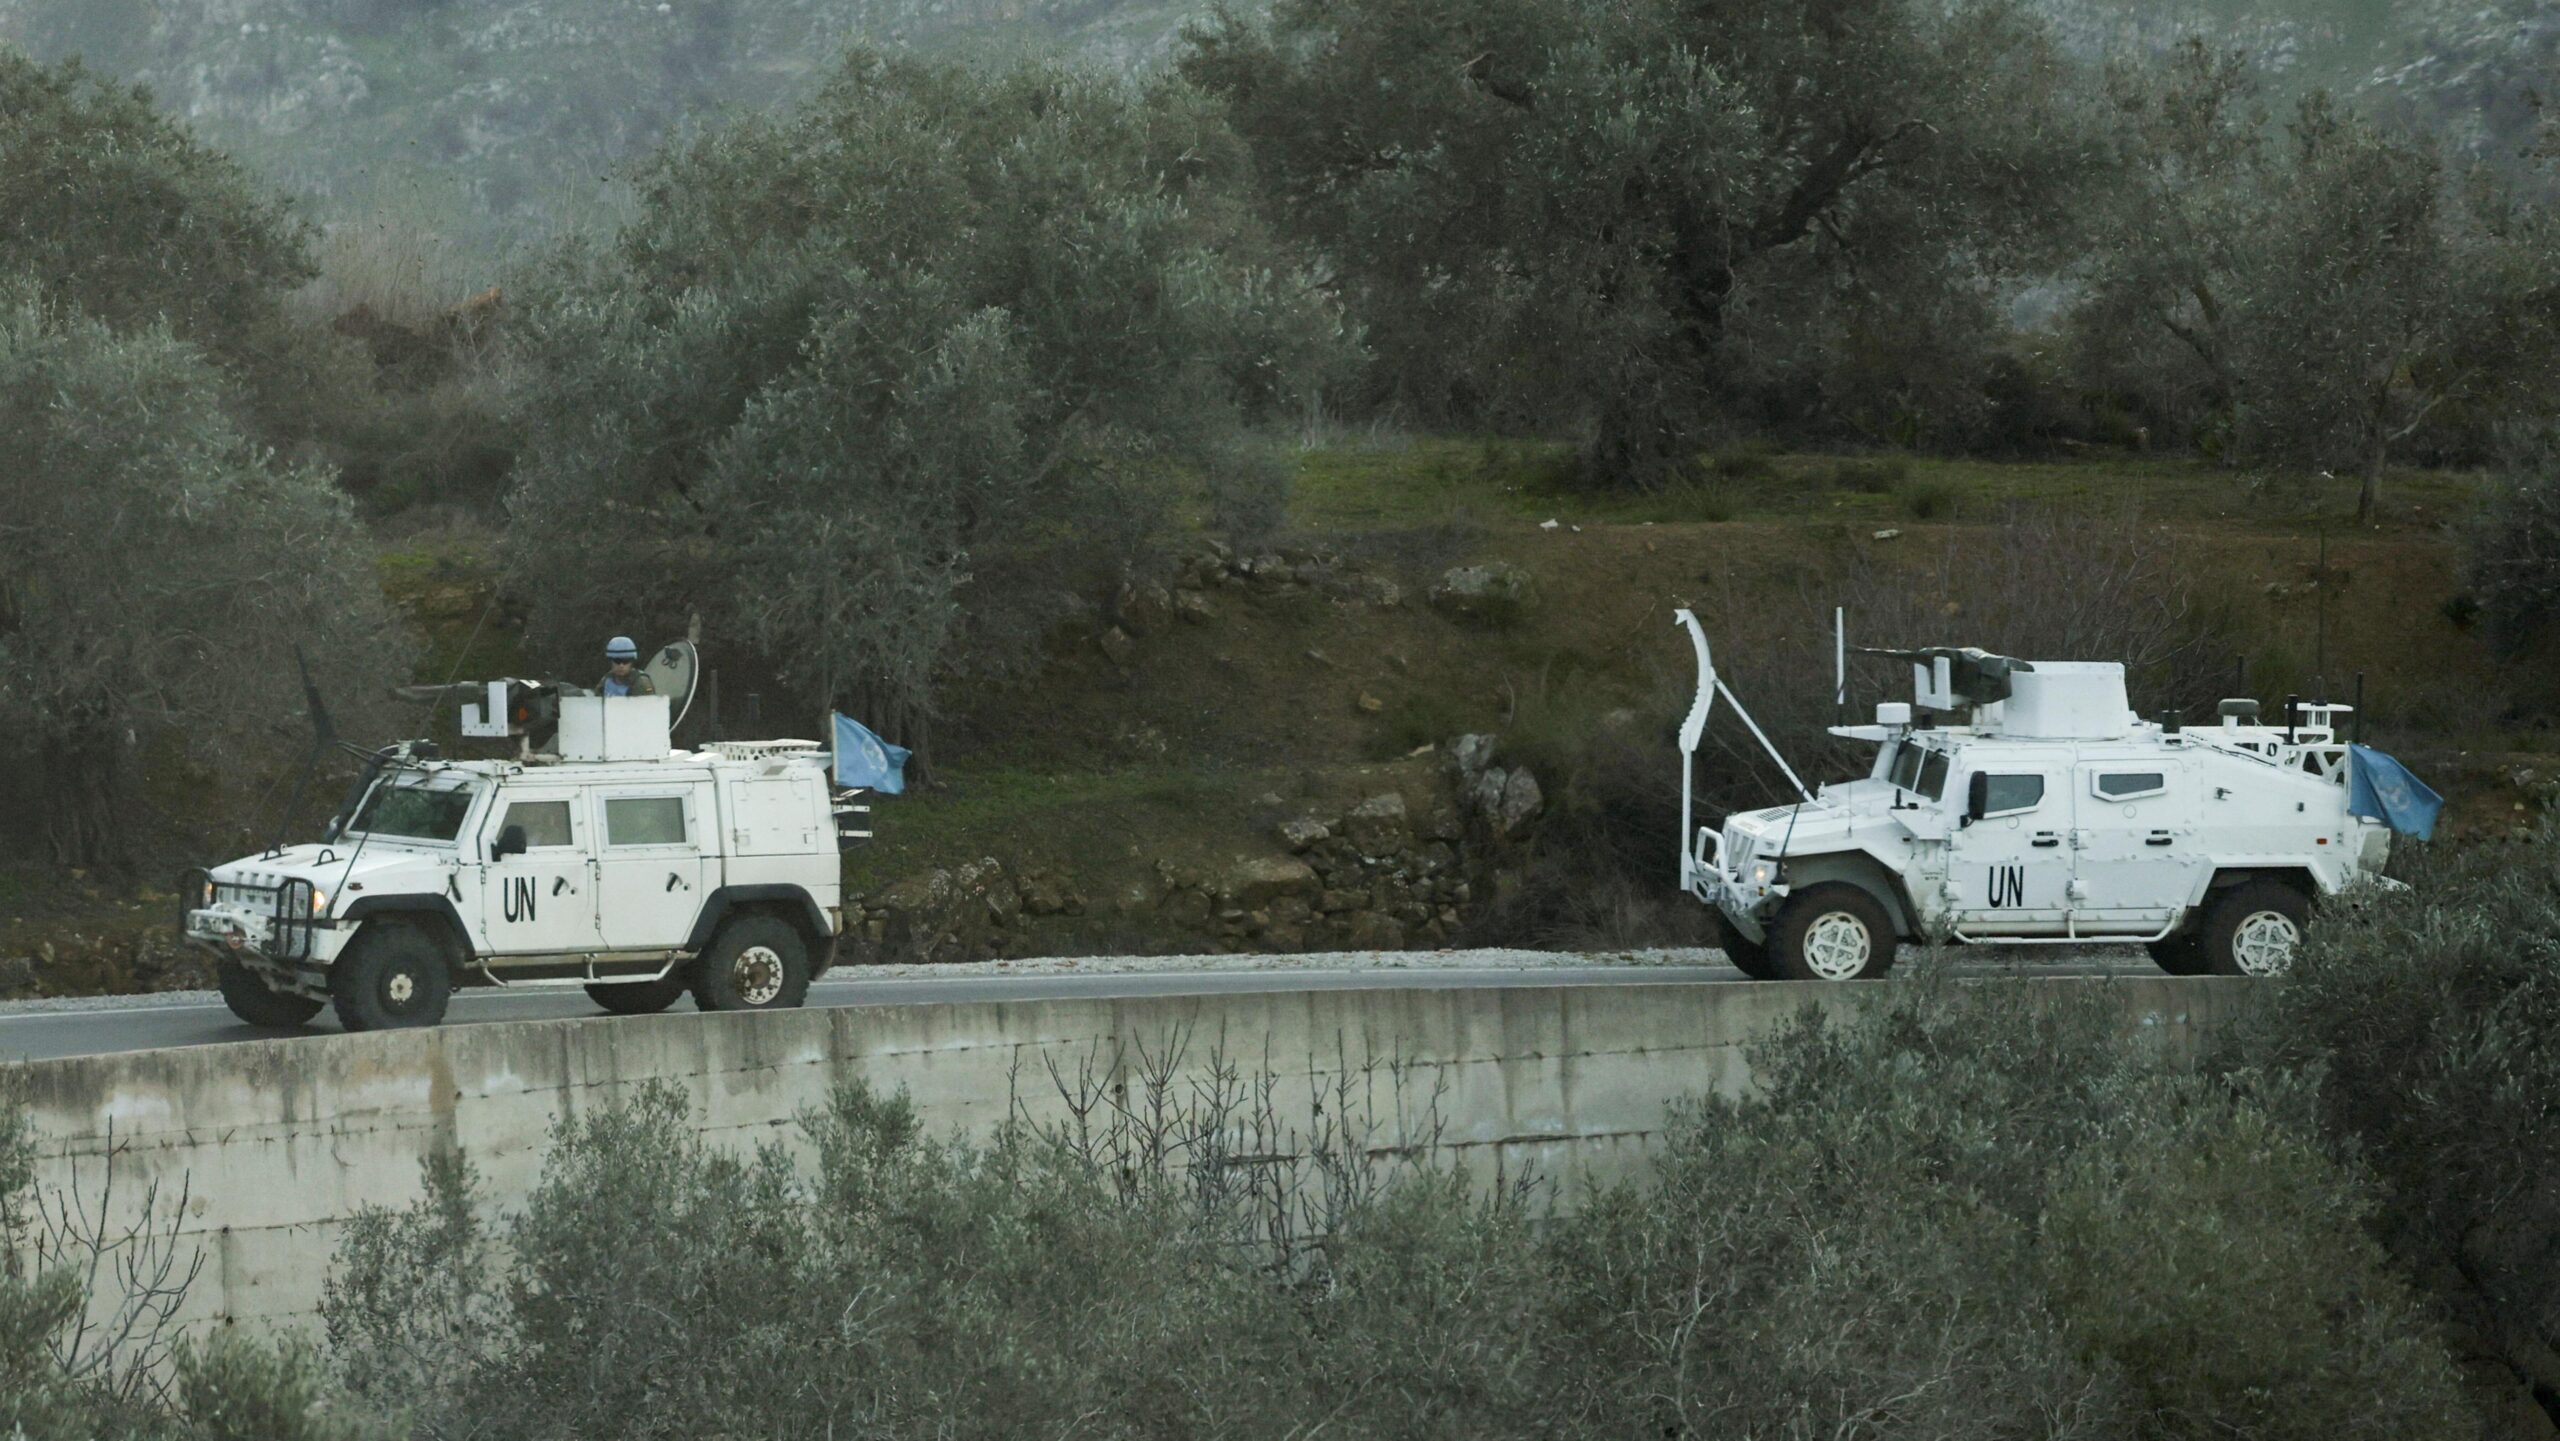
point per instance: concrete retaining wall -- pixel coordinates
(278, 1142)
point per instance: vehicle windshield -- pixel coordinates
(1920, 769)
(412, 808)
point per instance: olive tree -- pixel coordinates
(2315, 294)
(161, 569)
(1564, 211)
(116, 209)
(885, 385)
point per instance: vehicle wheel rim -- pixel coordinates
(1836, 947)
(2263, 945)
(400, 989)
(757, 973)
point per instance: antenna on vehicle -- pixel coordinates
(2320, 618)
(324, 735)
(1696, 723)
(1840, 665)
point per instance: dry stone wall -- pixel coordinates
(1381, 873)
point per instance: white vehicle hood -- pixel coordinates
(1823, 824)
(328, 866)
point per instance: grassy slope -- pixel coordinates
(1217, 731)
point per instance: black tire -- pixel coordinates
(640, 998)
(2245, 922)
(756, 963)
(2179, 955)
(389, 978)
(1810, 940)
(255, 1002)
(1748, 956)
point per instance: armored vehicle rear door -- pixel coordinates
(649, 870)
(2009, 871)
(2136, 835)
(777, 816)
(543, 901)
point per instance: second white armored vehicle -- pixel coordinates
(2018, 802)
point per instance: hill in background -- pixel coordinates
(495, 119)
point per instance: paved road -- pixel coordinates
(43, 1032)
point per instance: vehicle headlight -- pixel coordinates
(1760, 874)
(319, 901)
(205, 903)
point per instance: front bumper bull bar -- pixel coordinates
(271, 928)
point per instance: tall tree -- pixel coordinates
(1553, 210)
(118, 211)
(871, 385)
(161, 567)
(2318, 294)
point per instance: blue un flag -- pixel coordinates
(2383, 789)
(865, 760)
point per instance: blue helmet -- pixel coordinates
(621, 648)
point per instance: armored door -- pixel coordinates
(649, 869)
(542, 901)
(2136, 839)
(2009, 869)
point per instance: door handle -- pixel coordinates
(673, 881)
(2158, 840)
(2045, 843)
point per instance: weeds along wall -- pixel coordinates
(251, 1158)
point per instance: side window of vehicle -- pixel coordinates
(644, 821)
(2128, 785)
(546, 823)
(1933, 776)
(2010, 795)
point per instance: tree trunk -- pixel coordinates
(1636, 445)
(83, 823)
(2369, 494)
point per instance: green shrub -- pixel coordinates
(2427, 1026)
(1968, 1211)
(1696, 498)
(1881, 475)
(1418, 718)
(1926, 499)
(1755, 460)
(1928, 1213)
(2215, 1259)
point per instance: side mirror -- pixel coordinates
(1977, 796)
(511, 842)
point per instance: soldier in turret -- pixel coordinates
(624, 676)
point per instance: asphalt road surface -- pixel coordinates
(42, 1030)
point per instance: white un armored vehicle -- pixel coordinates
(2020, 802)
(614, 862)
